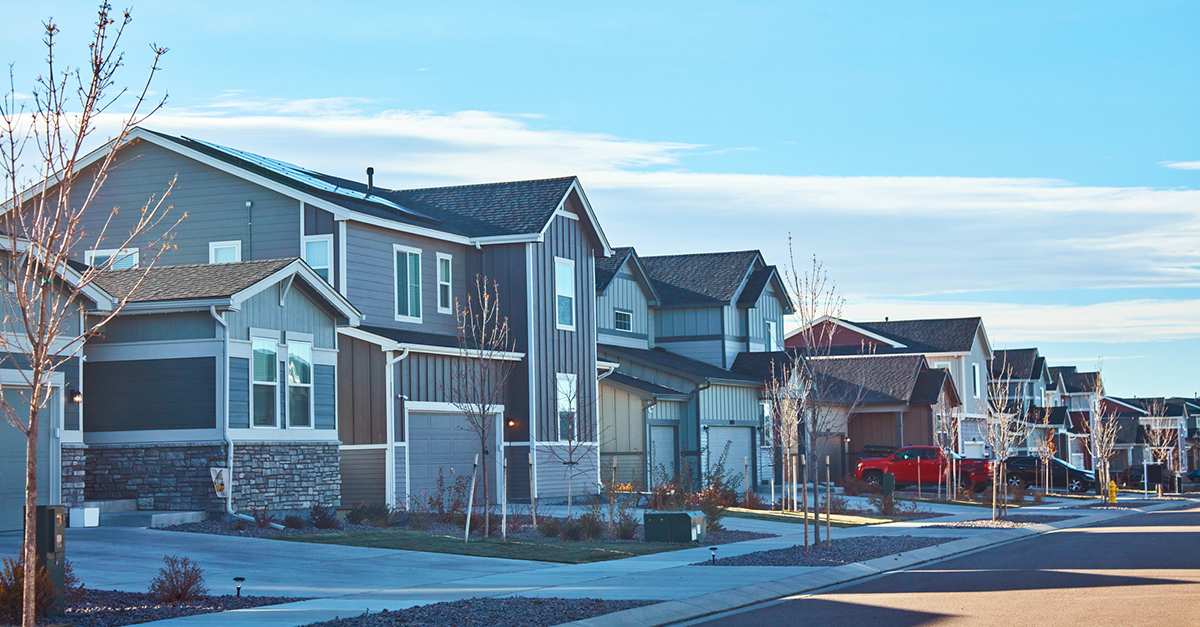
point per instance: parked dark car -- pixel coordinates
(1194, 476)
(1027, 470)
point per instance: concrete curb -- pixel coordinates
(691, 608)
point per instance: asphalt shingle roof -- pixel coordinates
(1014, 364)
(884, 379)
(489, 209)
(1077, 382)
(943, 335)
(928, 388)
(763, 366)
(672, 361)
(608, 267)
(699, 279)
(755, 285)
(638, 384)
(188, 282)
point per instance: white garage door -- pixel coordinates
(662, 454)
(739, 440)
(12, 462)
(441, 441)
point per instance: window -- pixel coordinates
(623, 320)
(299, 374)
(408, 283)
(225, 252)
(444, 262)
(318, 254)
(564, 289)
(975, 387)
(772, 336)
(263, 394)
(120, 258)
(568, 406)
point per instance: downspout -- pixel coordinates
(696, 395)
(212, 310)
(390, 385)
(650, 457)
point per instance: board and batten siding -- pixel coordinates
(558, 351)
(215, 203)
(721, 403)
(768, 308)
(622, 434)
(505, 264)
(151, 394)
(371, 277)
(362, 393)
(299, 314)
(624, 293)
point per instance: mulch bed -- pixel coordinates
(490, 612)
(843, 551)
(246, 529)
(1008, 522)
(110, 608)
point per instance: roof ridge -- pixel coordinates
(422, 189)
(198, 265)
(728, 252)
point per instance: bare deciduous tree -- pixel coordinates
(947, 423)
(1047, 447)
(577, 438)
(1004, 429)
(1162, 436)
(480, 380)
(42, 227)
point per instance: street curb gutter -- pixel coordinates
(691, 608)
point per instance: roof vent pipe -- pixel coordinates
(370, 180)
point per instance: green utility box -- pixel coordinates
(675, 526)
(51, 549)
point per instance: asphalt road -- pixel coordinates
(1140, 570)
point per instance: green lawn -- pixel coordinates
(539, 550)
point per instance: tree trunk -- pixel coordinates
(30, 555)
(487, 500)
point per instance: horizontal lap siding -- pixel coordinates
(324, 397)
(401, 453)
(553, 475)
(363, 479)
(371, 278)
(239, 393)
(151, 394)
(214, 201)
(722, 403)
(157, 328)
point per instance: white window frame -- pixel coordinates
(311, 405)
(409, 250)
(274, 385)
(616, 322)
(328, 239)
(236, 245)
(772, 336)
(89, 255)
(449, 283)
(559, 378)
(975, 380)
(559, 262)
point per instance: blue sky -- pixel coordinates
(1034, 163)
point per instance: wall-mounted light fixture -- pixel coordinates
(74, 396)
(512, 423)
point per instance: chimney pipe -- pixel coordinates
(370, 180)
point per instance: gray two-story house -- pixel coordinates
(406, 260)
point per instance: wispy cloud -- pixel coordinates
(1180, 165)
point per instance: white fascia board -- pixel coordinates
(298, 267)
(607, 365)
(390, 345)
(591, 216)
(520, 238)
(168, 306)
(1124, 404)
(987, 344)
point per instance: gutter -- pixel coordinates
(212, 310)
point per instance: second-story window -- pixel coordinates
(444, 265)
(225, 252)
(408, 283)
(263, 395)
(772, 336)
(623, 320)
(120, 258)
(299, 374)
(318, 254)
(564, 290)
(975, 385)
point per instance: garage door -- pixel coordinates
(12, 462)
(440, 442)
(662, 453)
(739, 440)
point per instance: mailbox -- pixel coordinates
(675, 526)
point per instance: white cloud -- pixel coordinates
(1180, 165)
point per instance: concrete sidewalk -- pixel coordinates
(352, 580)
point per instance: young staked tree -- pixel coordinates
(1046, 448)
(780, 393)
(1162, 436)
(479, 381)
(1004, 430)
(578, 445)
(42, 146)
(947, 422)
(1102, 441)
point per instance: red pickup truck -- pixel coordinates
(926, 462)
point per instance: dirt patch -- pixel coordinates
(489, 612)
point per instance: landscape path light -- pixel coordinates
(238, 582)
(713, 550)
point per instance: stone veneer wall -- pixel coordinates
(271, 475)
(73, 472)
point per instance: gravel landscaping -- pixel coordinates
(489, 612)
(250, 530)
(843, 551)
(1008, 522)
(110, 608)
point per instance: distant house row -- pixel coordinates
(302, 330)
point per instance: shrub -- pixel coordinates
(593, 526)
(323, 517)
(73, 591)
(713, 501)
(239, 524)
(293, 522)
(753, 501)
(419, 521)
(1016, 494)
(854, 487)
(574, 531)
(180, 579)
(1038, 496)
(837, 505)
(12, 589)
(376, 514)
(264, 519)
(550, 527)
(626, 527)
